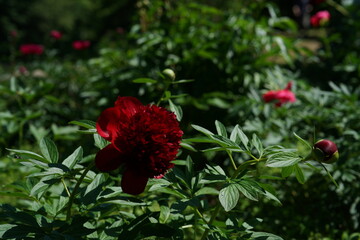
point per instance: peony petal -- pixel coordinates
(106, 124)
(269, 96)
(133, 183)
(108, 159)
(128, 105)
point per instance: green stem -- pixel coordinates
(66, 189)
(329, 174)
(338, 7)
(74, 192)
(242, 167)
(232, 160)
(163, 95)
(213, 216)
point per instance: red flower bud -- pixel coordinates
(325, 151)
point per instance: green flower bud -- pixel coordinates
(169, 74)
(325, 151)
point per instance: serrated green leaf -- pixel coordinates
(229, 197)
(74, 158)
(221, 129)
(299, 174)
(283, 159)
(84, 123)
(176, 109)
(144, 80)
(49, 150)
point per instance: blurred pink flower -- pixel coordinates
(31, 49)
(320, 18)
(280, 96)
(56, 34)
(81, 44)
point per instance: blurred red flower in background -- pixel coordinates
(81, 44)
(31, 49)
(280, 96)
(144, 139)
(56, 34)
(320, 18)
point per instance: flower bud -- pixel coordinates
(169, 74)
(325, 151)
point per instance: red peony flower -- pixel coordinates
(280, 96)
(144, 139)
(31, 49)
(81, 44)
(320, 18)
(56, 34)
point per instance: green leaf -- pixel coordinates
(100, 142)
(144, 80)
(49, 150)
(299, 174)
(28, 155)
(187, 146)
(229, 197)
(220, 128)
(225, 142)
(287, 171)
(264, 236)
(202, 130)
(283, 159)
(207, 191)
(237, 136)
(257, 144)
(74, 158)
(99, 179)
(177, 110)
(250, 189)
(303, 146)
(84, 123)
(164, 214)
